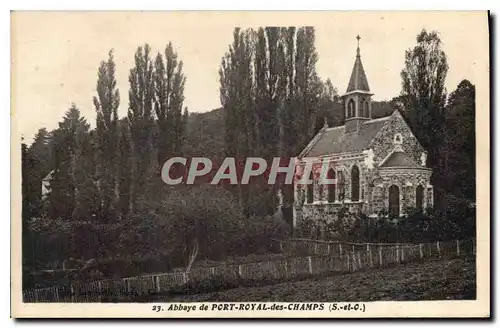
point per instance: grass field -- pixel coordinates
(431, 280)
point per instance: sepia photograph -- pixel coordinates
(238, 164)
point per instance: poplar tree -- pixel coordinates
(106, 105)
(141, 122)
(236, 94)
(169, 98)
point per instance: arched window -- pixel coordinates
(350, 108)
(366, 109)
(341, 183)
(331, 187)
(394, 200)
(310, 190)
(355, 184)
(419, 197)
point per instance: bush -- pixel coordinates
(456, 221)
(257, 234)
(210, 215)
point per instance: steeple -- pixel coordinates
(358, 79)
(357, 99)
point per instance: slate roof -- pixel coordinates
(335, 140)
(358, 80)
(400, 159)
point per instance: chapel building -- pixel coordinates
(378, 164)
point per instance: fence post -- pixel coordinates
(380, 255)
(439, 249)
(359, 260)
(348, 263)
(370, 254)
(397, 253)
(99, 286)
(157, 282)
(328, 249)
(402, 253)
(240, 271)
(421, 251)
(458, 247)
(184, 277)
(340, 247)
(310, 265)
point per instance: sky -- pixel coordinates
(55, 55)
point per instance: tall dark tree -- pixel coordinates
(169, 98)
(83, 164)
(307, 83)
(236, 95)
(287, 112)
(106, 105)
(64, 142)
(302, 91)
(125, 167)
(268, 67)
(423, 93)
(457, 152)
(141, 121)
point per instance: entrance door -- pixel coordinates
(394, 200)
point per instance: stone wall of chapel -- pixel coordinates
(407, 182)
(346, 166)
(324, 212)
(382, 144)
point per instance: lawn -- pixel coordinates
(431, 280)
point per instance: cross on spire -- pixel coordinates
(358, 79)
(357, 50)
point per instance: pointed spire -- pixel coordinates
(358, 79)
(358, 54)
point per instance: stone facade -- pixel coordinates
(391, 163)
(383, 143)
(374, 179)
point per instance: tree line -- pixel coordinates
(102, 174)
(273, 100)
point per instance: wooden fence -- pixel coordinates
(326, 257)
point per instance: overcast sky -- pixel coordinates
(55, 55)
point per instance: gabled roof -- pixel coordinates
(358, 80)
(400, 159)
(335, 140)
